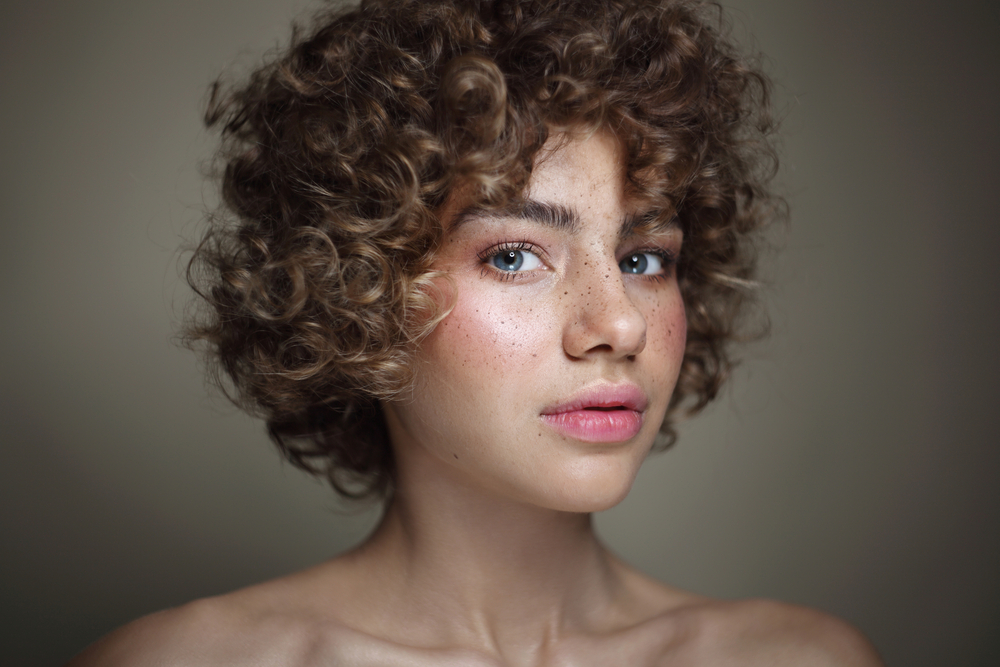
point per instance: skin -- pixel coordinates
(486, 555)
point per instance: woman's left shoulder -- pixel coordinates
(766, 632)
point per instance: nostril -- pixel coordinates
(605, 323)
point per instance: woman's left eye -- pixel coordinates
(643, 263)
(515, 259)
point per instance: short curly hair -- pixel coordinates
(315, 276)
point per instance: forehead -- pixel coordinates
(589, 169)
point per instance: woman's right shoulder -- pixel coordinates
(200, 632)
(263, 626)
(228, 630)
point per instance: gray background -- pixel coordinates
(851, 466)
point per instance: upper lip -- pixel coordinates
(625, 395)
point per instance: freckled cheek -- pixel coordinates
(667, 331)
(486, 334)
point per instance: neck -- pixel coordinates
(487, 570)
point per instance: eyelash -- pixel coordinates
(505, 246)
(667, 258)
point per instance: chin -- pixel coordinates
(588, 505)
(594, 491)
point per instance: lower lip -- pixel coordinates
(596, 425)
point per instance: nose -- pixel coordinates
(603, 319)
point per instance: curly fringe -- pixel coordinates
(316, 278)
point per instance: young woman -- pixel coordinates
(479, 254)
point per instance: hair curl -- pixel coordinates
(316, 275)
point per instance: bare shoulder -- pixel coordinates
(289, 622)
(230, 630)
(765, 632)
(676, 627)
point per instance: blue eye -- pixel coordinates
(642, 263)
(515, 259)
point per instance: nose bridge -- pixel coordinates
(603, 316)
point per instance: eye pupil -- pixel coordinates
(509, 260)
(634, 264)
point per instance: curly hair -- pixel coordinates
(336, 156)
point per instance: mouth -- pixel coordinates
(605, 413)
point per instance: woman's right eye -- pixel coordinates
(511, 260)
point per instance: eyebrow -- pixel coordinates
(647, 223)
(559, 217)
(554, 216)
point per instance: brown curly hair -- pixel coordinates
(337, 155)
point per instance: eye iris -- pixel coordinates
(634, 264)
(509, 260)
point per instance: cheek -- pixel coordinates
(667, 337)
(481, 372)
(675, 322)
(495, 340)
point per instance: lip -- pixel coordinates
(603, 413)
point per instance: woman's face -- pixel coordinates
(549, 379)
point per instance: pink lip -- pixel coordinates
(606, 413)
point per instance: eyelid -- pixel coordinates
(667, 240)
(526, 246)
(668, 255)
(489, 253)
(668, 263)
